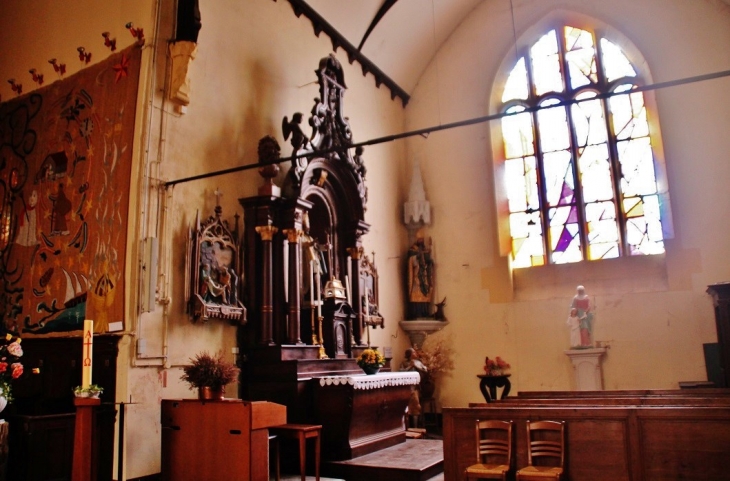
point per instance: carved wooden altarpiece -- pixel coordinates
(305, 272)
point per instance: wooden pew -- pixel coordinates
(611, 401)
(610, 438)
(700, 392)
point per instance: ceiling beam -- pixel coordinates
(353, 54)
(378, 16)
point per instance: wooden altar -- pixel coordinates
(309, 288)
(219, 440)
(362, 413)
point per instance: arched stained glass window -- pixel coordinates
(579, 167)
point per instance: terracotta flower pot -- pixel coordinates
(207, 393)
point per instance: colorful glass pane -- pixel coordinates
(517, 133)
(603, 239)
(580, 56)
(595, 173)
(517, 86)
(546, 71)
(629, 115)
(644, 232)
(553, 126)
(521, 183)
(527, 245)
(588, 120)
(559, 180)
(637, 167)
(615, 63)
(564, 235)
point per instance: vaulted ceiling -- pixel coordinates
(400, 37)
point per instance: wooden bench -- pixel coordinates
(610, 437)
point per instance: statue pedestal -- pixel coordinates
(587, 367)
(418, 329)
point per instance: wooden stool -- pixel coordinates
(302, 432)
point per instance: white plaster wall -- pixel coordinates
(653, 315)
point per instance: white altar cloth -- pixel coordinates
(373, 381)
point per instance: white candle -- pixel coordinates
(347, 285)
(311, 283)
(87, 353)
(319, 296)
(367, 304)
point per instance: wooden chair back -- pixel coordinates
(538, 447)
(490, 445)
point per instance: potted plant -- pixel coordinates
(209, 375)
(370, 361)
(81, 392)
(95, 390)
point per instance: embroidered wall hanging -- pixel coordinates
(65, 166)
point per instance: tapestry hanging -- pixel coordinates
(65, 166)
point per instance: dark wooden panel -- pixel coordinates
(608, 442)
(699, 449)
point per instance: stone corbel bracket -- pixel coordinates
(419, 329)
(182, 53)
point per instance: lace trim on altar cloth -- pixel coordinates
(373, 381)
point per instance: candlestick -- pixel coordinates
(88, 351)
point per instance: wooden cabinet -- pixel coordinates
(218, 440)
(721, 298)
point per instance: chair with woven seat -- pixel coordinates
(494, 443)
(545, 442)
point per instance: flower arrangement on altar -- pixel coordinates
(370, 359)
(496, 367)
(10, 366)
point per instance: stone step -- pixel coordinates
(413, 460)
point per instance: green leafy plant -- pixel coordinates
(210, 371)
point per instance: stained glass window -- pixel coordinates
(579, 168)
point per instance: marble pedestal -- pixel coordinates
(587, 368)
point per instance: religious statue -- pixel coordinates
(581, 320)
(420, 279)
(413, 363)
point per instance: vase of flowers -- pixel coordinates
(496, 367)
(209, 375)
(370, 361)
(10, 367)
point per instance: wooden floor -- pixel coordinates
(414, 460)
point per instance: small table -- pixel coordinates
(302, 432)
(493, 382)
